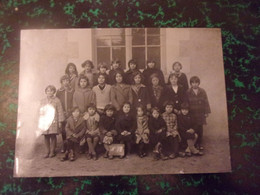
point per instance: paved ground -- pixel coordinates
(215, 159)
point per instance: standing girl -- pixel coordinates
(142, 132)
(83, 94)
(150, 70)
(92, 132)
(71, 71)
(199, 107)
(115, 67)
(51, 105)
(120, 92)
(133, 68)
(140, 92)
(125, 124)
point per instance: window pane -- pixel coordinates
(103, 55)
(119, 53)
(153, 53)
(118, 40)
(138, 53)
(153, 31)
(153, 40)
(138, 36)
(103, 42)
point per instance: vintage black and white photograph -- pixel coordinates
(121, 101)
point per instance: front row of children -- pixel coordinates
(130, 126)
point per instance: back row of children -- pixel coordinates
(126, 106)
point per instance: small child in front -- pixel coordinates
(92, 130)
(199, 107)
(125, 126)
(75, 130)
(186, 131)
(157, 127)
(172, 134)
(142, 132)
(51, 106)
(107, 128)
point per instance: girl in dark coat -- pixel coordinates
(115, 67)
(71, 71)
(75, 130)
(175, 93)
(182, 78)
(140, 92)
(157, 93)
(65, 95)
(133, 68)
(125, 126)
(150, 70)
(199, 107)
(157, 127)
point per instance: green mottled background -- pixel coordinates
(239, 20)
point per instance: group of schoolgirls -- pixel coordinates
(130, 108)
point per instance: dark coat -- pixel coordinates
(147, 76)
(66, 98)
(184, 124)
(199, 105)
(125, 122)
(78, 128)
(160, 102)
(141, 97)
(154, 125)
(107, 123)
(177, 98)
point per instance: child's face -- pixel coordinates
(83, 83)
(91, 111)
(195, 85)
(151, 65)
(177, 67)
(155, 81)
(102, 70)
(155, 114)
(137, 79)
(140, 112)
(87, 68)
(76, 113)
(71, 69)
(49, 92)
(115, 65)
(126, 108)
(132, 66)
(169, 109)
(173, 80)
(119, 78)
(65, 82)
(101, 79)
(184, 111)
(109, 113)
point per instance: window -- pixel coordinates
(141, 44)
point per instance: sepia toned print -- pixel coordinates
(121, 101)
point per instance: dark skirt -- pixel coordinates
(155, 138)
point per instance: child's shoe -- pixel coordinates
(89, 156)
(52, 155)
(94, 157)
(47, 155)
(181, 154)
(110, 157)
(163, 157)
(72, 157)
(188, 152)
(106, 155)
(65, 157)
(156, 155)
(172, 156)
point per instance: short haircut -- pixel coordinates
(168, 103)
(109, 107)
(194, 79)
(75, 108)
(83, 77)
(121, 72)
(185, 105)
(102, 65)
(128, 103)
(132, 61)
(135, 74)
(116, 61)
(150, 61)
(51, 87)
(64, 77)
(155, 109)
(102, 74)
(142, 107)
(84, 64)
(176, 63)
(68, 66)
(91, 105)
